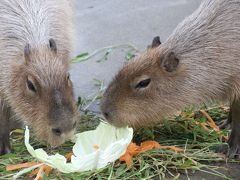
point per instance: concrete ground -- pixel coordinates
(110, 22)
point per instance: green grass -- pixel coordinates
(182, 131)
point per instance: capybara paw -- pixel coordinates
(4, 147)
(234, 151)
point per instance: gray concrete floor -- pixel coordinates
(110, 22)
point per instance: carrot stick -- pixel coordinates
(68, 156)
(39, 174)
(174, 148)
(133, 150)
(34, 172)
(20, 166)
(47, 170)
(149, 145)
(212, 124)
(127, 158)
(203, 125)
(210, 120)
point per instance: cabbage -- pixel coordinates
(92, 149)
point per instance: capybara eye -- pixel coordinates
(30, 86)
(69, 80)
(143, 84)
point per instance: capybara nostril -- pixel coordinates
(106, 115)
(57, 131)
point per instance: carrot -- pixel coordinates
(68, 156)
(210, 121)
(149, 145)
(20, 166)
(174, 148)
(212, 124)
(204, 125)
(47, 170)
(39, 174)
(34, 172)
(134, 149)
(127, 158)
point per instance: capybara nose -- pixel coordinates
(57, 131)
(106, 115)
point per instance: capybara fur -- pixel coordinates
(198, 63)
(36, 42)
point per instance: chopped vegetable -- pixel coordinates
(20, 166)
(113, 142)
(210, 121)
(68, 156)
(133, 150)
(39, 174)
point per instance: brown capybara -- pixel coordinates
(198, 63)
(35, 46)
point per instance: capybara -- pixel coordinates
(36, 41)
(198, 63)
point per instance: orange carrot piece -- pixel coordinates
(34, 172)
(203, 124)
(39, 174)
(210, 120)
(127, 158)
(38, 171)
(20, 166)
(47, 170)
(68, 156)
(133, 149)
(174, 148)
(212, 124)
(149, 145)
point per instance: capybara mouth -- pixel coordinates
(53, 140)
(56, 141)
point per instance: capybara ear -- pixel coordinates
(170, 62)
(156, 42)
(53, 45)
(27, 53)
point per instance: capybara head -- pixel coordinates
(41, 93)
(145, 90)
